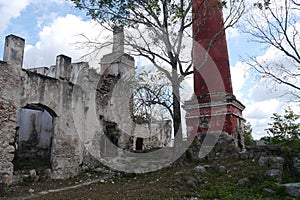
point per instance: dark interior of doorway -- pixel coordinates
(139, 144)
(33, 138)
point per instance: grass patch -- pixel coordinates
(180, 183)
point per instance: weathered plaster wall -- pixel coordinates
(57, 95)
(81, 102)
(20, 88)
(157, 134)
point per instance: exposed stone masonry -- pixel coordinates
(104, 89)
(8, 119)
(84, 105)
(52, 88)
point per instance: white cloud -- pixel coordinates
(46, 17)
(232, 32)
(281, 65)
(263, 109)
(239, 74)
(261, 100)
(61, 37)
(253, 13)
(11, 9)
(259, 113)
(258, 99)
(262, 97)
(265, 97)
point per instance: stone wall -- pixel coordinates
(56, 95)
(156, 134)
(215, 146)
(10, 82)
(10, 88)
(81, 103)
(256, 151)
(33, 89)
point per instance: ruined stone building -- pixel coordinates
(73, 116)
(68, 113)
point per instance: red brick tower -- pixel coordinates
(214, 107)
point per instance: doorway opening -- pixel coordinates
(139, 144)
(33, 140)
(109, 142)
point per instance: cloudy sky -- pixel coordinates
(53, 27)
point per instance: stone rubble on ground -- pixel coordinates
(274, 162)
(268, 191)
(192, 181)
(292, 189)
(296, 164)
(243, 181)
(32, 173)
(275, 167)
(222, 169)
(200, 169)
(274, 175)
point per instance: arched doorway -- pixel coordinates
(33, 142)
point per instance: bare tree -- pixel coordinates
(276, 27)
(159, 29)
(152, 98)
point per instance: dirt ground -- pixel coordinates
(169, 183)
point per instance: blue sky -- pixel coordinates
(51, 28)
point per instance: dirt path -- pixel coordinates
(45, 192)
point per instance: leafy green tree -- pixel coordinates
(248, 134)
(285, 130)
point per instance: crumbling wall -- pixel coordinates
(21, 88)
(56, 94)
(89, 128)
(82, 104)
(114, 94)
(156, 134)
(10, 82)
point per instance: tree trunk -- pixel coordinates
(177, 119)
(176, 103)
